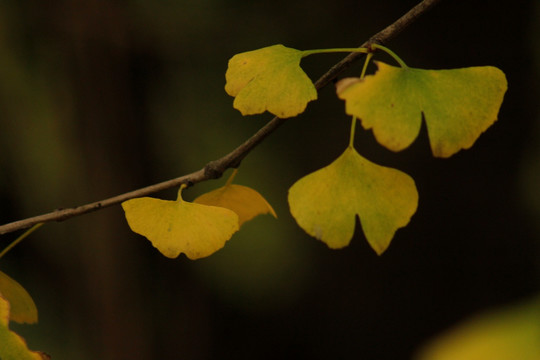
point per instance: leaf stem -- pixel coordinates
(231, 178)
(353, 131)
(353, 122)
(368, 58)
(182, 187)
(391, 53)
(20, 238)
(335, 50)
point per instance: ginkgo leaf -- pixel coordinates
(458, 105)
(12, 346)
(23, 308)
(244, 201)
(269, 79)
(325, 203)
(502, 334)
(176, 227)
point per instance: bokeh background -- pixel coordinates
(98, 98)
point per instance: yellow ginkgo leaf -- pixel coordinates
(244, 201)
(269, 79)
(12, 346)
(23, 308)
(176, 227)
(509, 333)
(458, 105)
(325, 203)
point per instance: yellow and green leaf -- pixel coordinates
(23, 309)
(175, 227)
(244, 201)
(458, 105)
(325, 203)
(269, 79)
(12, 346)
(508, 333)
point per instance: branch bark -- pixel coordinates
(216, 168)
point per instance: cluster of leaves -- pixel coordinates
(197, 229)
(457, 105)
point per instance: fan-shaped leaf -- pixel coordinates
(458, 105)
(269, 79)
(177, 226)
(502, 334)
(23, 309)
(244, 201)
(326, 202)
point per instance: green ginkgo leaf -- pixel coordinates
(176, 227)
(23, 309)
(269, 79)
(12, 346)
(458, 105)
(244, 201)
(325, 203)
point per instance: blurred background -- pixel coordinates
(98, 98)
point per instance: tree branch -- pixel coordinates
(216, 168)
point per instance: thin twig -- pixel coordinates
(216, 168)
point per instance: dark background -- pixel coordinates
(98, 98)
